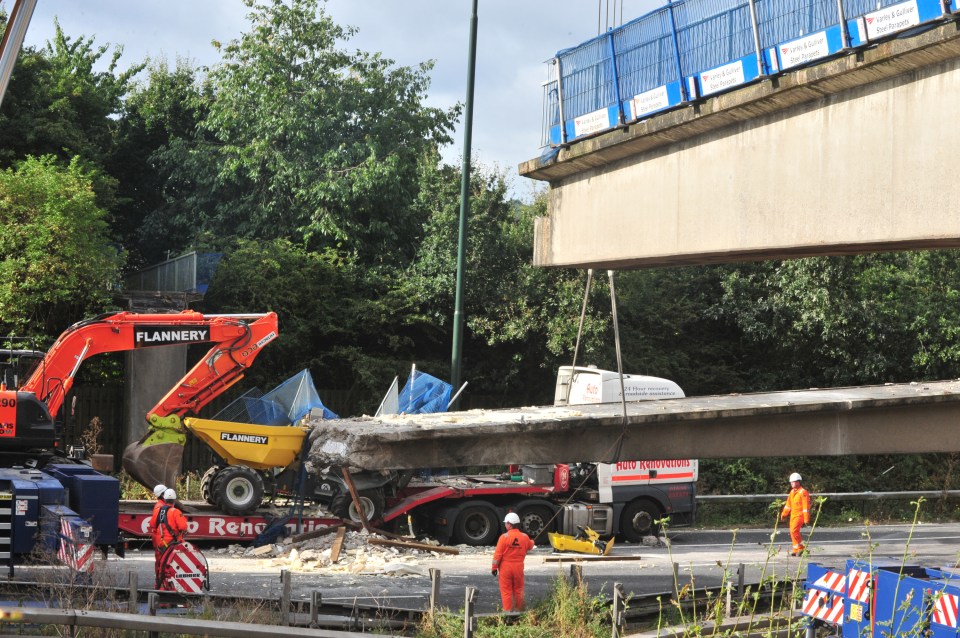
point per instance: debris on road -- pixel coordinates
(353, 552)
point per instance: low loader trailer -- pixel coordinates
(205, 522)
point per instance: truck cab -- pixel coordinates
(631, 495)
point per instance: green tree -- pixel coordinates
(303, 140)
(57, 263)
(832, 321)
(336, 318)
(669, 327)
(521, 321)
(58, 104)
(160, 118)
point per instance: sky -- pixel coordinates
(514, 40)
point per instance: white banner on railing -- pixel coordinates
(722, 77)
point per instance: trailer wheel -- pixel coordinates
(206, 484)
(476, 525)
(639, 519)
(535, 520)
(373, 502)
(238, 490)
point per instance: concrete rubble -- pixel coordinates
(357, 556)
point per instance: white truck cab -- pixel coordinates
(636, 493)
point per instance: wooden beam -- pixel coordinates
(337, 545)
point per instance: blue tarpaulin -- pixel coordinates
(424, 394)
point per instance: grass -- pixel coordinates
(756, 515)
(568, 611)
(187, 488)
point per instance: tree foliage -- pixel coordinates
(160, 113)
(56, 261)
(303, 140)
(58, 104)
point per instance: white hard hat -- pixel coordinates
(159, 489)
(511, 518)
(169, 495)
(795, 477)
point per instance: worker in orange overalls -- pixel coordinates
(154, 531)
(797, 508)
(170, 525)
(508, 558)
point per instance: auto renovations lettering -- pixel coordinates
(243, 438)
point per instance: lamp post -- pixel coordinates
(458, 317)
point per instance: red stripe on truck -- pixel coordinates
(661, 476)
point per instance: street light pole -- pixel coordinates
(458, 316)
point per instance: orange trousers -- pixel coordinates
(796, 523)
(511, 587)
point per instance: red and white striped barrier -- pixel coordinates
(824, 606)
(75, 549)
(945, 610)
(184, 569)
(833, 581)
(859, 582)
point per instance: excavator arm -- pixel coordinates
(156, 458)
(158, 455)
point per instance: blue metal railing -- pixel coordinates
(689, 49)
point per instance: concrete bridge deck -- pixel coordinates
(888, 419)
(850, 155)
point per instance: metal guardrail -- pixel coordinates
(833, 496)
(154, 624)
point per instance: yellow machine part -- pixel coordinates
(260, 447)
(589, 545)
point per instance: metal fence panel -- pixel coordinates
(782, 20)
(712, 33)
(645, 53)
(588, 79)
(191, 272)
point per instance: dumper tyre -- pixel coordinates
(373, 502)
(238, 490)
(206, 484)
(536, 521)
(639, 519)
(477, 525)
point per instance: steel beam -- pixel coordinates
(12, 40)
(888, 419)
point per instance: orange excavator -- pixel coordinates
(29, 427)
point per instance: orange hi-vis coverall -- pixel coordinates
(511, 549)
(155, 530)
(167, 525)
(798, 508)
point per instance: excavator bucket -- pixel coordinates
(157, 457)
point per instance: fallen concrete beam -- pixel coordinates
(888, 419)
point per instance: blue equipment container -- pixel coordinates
(883, 598)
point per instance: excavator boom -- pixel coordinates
(156, 458)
